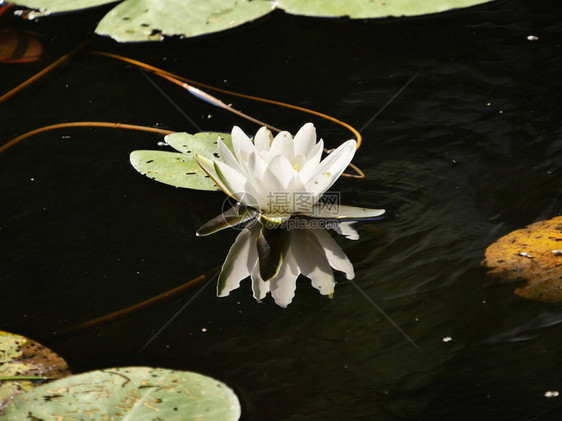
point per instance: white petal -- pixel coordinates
(312, 160)
(241, 144)
(259, 287)
(237, 183)
(346, 229)
(227, 156)
(238, 263)
(312, 261)
(315, 153)
(283, 145)
(256, 168)
(263, 139)
(284, 284)
(209, 167)
(335, 255)
(337, 211)
(305, 139)
(279, 174)
(330, 169)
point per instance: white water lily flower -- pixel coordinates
(278, 182)
(282, 176)
(310, 252)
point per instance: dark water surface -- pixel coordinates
(469, 151)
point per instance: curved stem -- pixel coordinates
(227, 92)
(82, 124)
(139, 306)
(360, 174)
(43, 72)
(206, 97)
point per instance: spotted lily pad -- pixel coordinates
(362, 9)
(142, 20)
(22, 360)
(129, 393)
(204, 143)
(533, 254)
(181, 169)
(47, 7)
(174, 169)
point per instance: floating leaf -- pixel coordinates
(142, 20)
(533, 254)
(175, 169)
(204, 143)
(23, 358)
(130, 393)
(47, 7)
(18, 47)
(139, 20)
(361, 9)
(181, 169)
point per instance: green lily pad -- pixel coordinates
(181, 169)
(362, 9)
(174, 169)
(129, 393)
(204, 143)
(139, 20)
(48, 7)
(22, 359)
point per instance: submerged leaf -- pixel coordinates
(533, 254)
(129, 393)
(21, 358)
(175, 169)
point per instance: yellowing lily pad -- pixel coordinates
(128, 393)
(533, 254)
(22, 359)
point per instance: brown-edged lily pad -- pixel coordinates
(533, 254)
(25, 364)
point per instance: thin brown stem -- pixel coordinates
(139, 306)
(208, 98)
(83, 124)
(224, 91)
(42, 73)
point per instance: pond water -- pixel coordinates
(470, 150)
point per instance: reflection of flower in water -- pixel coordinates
(277, 183)
(311, 252)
